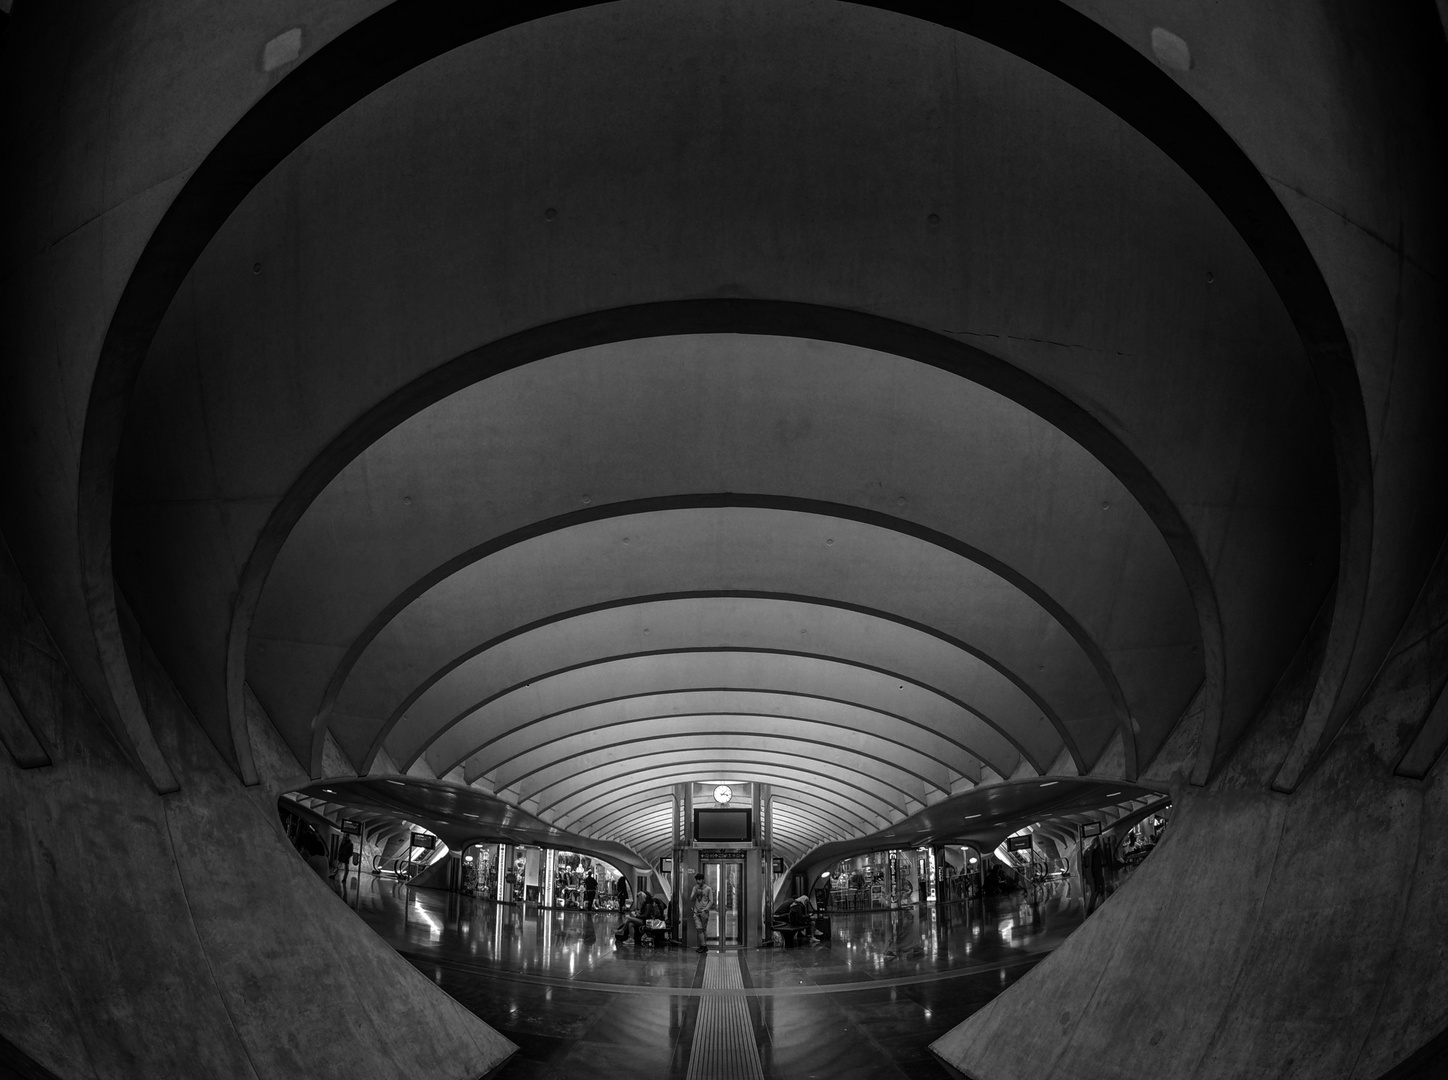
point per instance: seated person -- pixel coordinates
(645, 908)
(801, 917)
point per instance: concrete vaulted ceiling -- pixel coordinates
(879, 477)
(957, 419)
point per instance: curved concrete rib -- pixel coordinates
(193, 940)
(695, 425)
(893, 786)
(432, 690)
(690, 706)
(1212, 167)
(823, 813)
(738, 549)
(855, 793)
(609, 685)
(809, 738)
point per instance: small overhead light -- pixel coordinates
(1171, 50)
(1050, 783)
(1111, 793)
(969, 816)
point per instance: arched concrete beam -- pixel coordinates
(879, 794)
(646, 826)
(216, 189)
(680, 414)
(809, 826)
(805, 823)
(1014, 711)
(614, 681)
(652, 844)
(832, 811)
(495, 612)
(873, 774)
(682, 706)
(606, 816)
(896, 753)
(851, 799)
(822, 809)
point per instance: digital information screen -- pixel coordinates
(716, 826)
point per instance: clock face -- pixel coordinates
(722, 793)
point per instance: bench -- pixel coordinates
(789, 932)
(663, 935)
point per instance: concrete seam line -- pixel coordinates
(1398, 937)
(201, 946)
(1265, 892)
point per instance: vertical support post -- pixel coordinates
(683, 875)
(1073, 863)
(764, 814)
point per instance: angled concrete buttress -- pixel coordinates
(1269, 935)
(180, 936)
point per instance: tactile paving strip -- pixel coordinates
(724, 1047)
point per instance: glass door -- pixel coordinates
(727, 881)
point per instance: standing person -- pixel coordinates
(344, 858)
(1098, 873)
(701, 901)
(620, 890)
(315, 853)
(590, 890)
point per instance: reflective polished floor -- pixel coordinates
(866, 1004)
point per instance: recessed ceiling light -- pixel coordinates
(1111, 793)
(1050, 783)
(969, 816)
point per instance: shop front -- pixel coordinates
(577, 882)
(880, 880)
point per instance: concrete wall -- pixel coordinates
(1268, 935)
(180, 936)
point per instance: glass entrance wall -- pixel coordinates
(727, 915)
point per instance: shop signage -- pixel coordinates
(352, 825)
(1019, 843)
(1091, 828)
(720, 854)
(778, 866)
(424, 841)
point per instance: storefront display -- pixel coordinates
(885, 879)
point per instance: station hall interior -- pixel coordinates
(973, 470)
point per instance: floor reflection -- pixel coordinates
(866, 1003)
